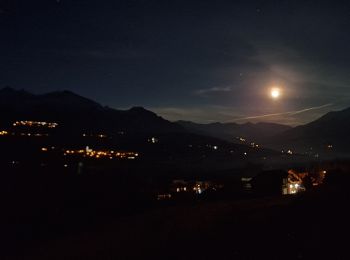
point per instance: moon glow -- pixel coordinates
(275, 93)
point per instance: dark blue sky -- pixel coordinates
(197, 60)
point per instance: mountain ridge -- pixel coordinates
(329, 132)
(254, 132)
(73, 110)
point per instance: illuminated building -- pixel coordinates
(198, 189)
(277, 182)
(200, 186)
(293, 183)
(246, 181)
(179, 186)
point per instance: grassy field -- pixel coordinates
(299, 227)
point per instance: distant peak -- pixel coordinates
(62, 93)
(138, 109)
(215, 124)
(11, 91)
(7, 89)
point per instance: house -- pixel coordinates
(278, 182)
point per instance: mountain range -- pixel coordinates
(232, 132)
(75, 112)
(82, 122)
(328, 134)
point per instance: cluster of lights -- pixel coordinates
(98, 135)
(243, 140)
(288, 152)
(198, 189)
(254, 145)
(214, 147)
(184, 187)
(294, 188)
(179, 189)
(153, 140)
(3, 132)
(102, 154)
(35, 124)
(163, 196)
(295, 181)
(45, 149)
(31, 134)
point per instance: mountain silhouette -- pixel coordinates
(76, 113)
(257, 133)
(327, 134)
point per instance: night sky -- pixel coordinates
(194, 60)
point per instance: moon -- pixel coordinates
(275, 93)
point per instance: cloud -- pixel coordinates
(310, 108)
(225, 114)
(289, 113)
(208, 91)
(192, 114)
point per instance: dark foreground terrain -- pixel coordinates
(313, 225)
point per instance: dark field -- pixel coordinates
(311, 225)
